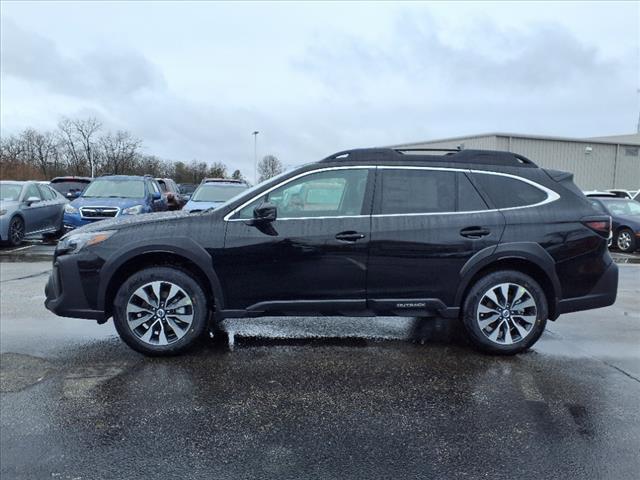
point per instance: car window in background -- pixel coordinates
(186, 188)
(10, 192)
(155, 187)
(163, 185)
(32, 191)
(507, 192)
(111, 188)
(597, 205)
(210, 192)
(622, 206)
(331, 193)
(68, 185)
(46, 193)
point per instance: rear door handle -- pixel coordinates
(349, 236)
(475, 232)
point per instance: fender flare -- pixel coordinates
(530, 252)
(180, 246)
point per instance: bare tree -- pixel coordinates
(237, 175)
(40, 150)
(78, 138)
(118, 151)
(217, 170)
(269, 167)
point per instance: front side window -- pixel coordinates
(115, 188)
(622, 206)
(32, 191)
(508, 192)
(330, 193)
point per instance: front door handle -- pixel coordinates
(349, 236)
(475, 232)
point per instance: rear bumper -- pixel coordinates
(603, 294)
(65, 293)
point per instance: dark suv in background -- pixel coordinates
(484, 236)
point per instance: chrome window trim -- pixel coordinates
(552, 196)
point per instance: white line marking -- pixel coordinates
(16, 250)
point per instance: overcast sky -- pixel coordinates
(193, 80)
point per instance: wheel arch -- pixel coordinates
(526, 257)
(192, 258)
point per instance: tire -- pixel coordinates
(625, 240)
(154, 328)
(489, 326)
(15, 233)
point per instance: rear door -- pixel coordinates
(427, 222)
(313, 255)
(50, 205)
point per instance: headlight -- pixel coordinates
(73, 243)
(68, 208)
(133, 210)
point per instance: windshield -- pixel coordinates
(10, 192)
(621, 207)
(112, 188)
(209, 192)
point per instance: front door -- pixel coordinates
(426, 224)
(313, 254)
(35, 213)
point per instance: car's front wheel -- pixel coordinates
(160, 311)
(505, 312)
(16, 232)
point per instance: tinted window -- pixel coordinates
(416, 191)
(331, 193)
(507, 192)
(596, 204)
(64, 186)
(163, 185)
(469, 200)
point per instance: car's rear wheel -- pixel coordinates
(625, 241)
(16, 232)
(160, 311)
(505, 312)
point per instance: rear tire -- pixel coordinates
(505, 326)
(626, 240)
(160, 311)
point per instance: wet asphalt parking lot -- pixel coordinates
(317, 398)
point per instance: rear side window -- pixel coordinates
(47, 194)
(404, 191)
(508, 192)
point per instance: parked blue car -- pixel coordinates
(213, 192)
(114, 196)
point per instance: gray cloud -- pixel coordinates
(96, 74)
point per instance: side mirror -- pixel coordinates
(265, 213)
(156, 196)
(31, 200)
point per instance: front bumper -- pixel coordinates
(72, 287)
(603, 294)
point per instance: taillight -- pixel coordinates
(600, 225)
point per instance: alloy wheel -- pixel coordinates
(160, 313)
(506, 313)
(16, 231)
(624, 240)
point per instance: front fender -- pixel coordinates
(180, 246)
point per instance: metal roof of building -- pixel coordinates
(631, 139)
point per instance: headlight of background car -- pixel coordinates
(73, 243)
(133, 210)
(68, 208)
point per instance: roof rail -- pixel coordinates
(479, 157)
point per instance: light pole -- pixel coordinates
(255, 156)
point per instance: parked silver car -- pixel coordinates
(28, 208)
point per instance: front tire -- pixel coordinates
(15, 232)
(626, 241)
(160, 311)
(505, 312)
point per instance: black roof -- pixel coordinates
(480, 157)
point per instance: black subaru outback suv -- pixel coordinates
(484, 236)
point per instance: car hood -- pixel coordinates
(126, 221)
(107, 202)
(193, 205)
